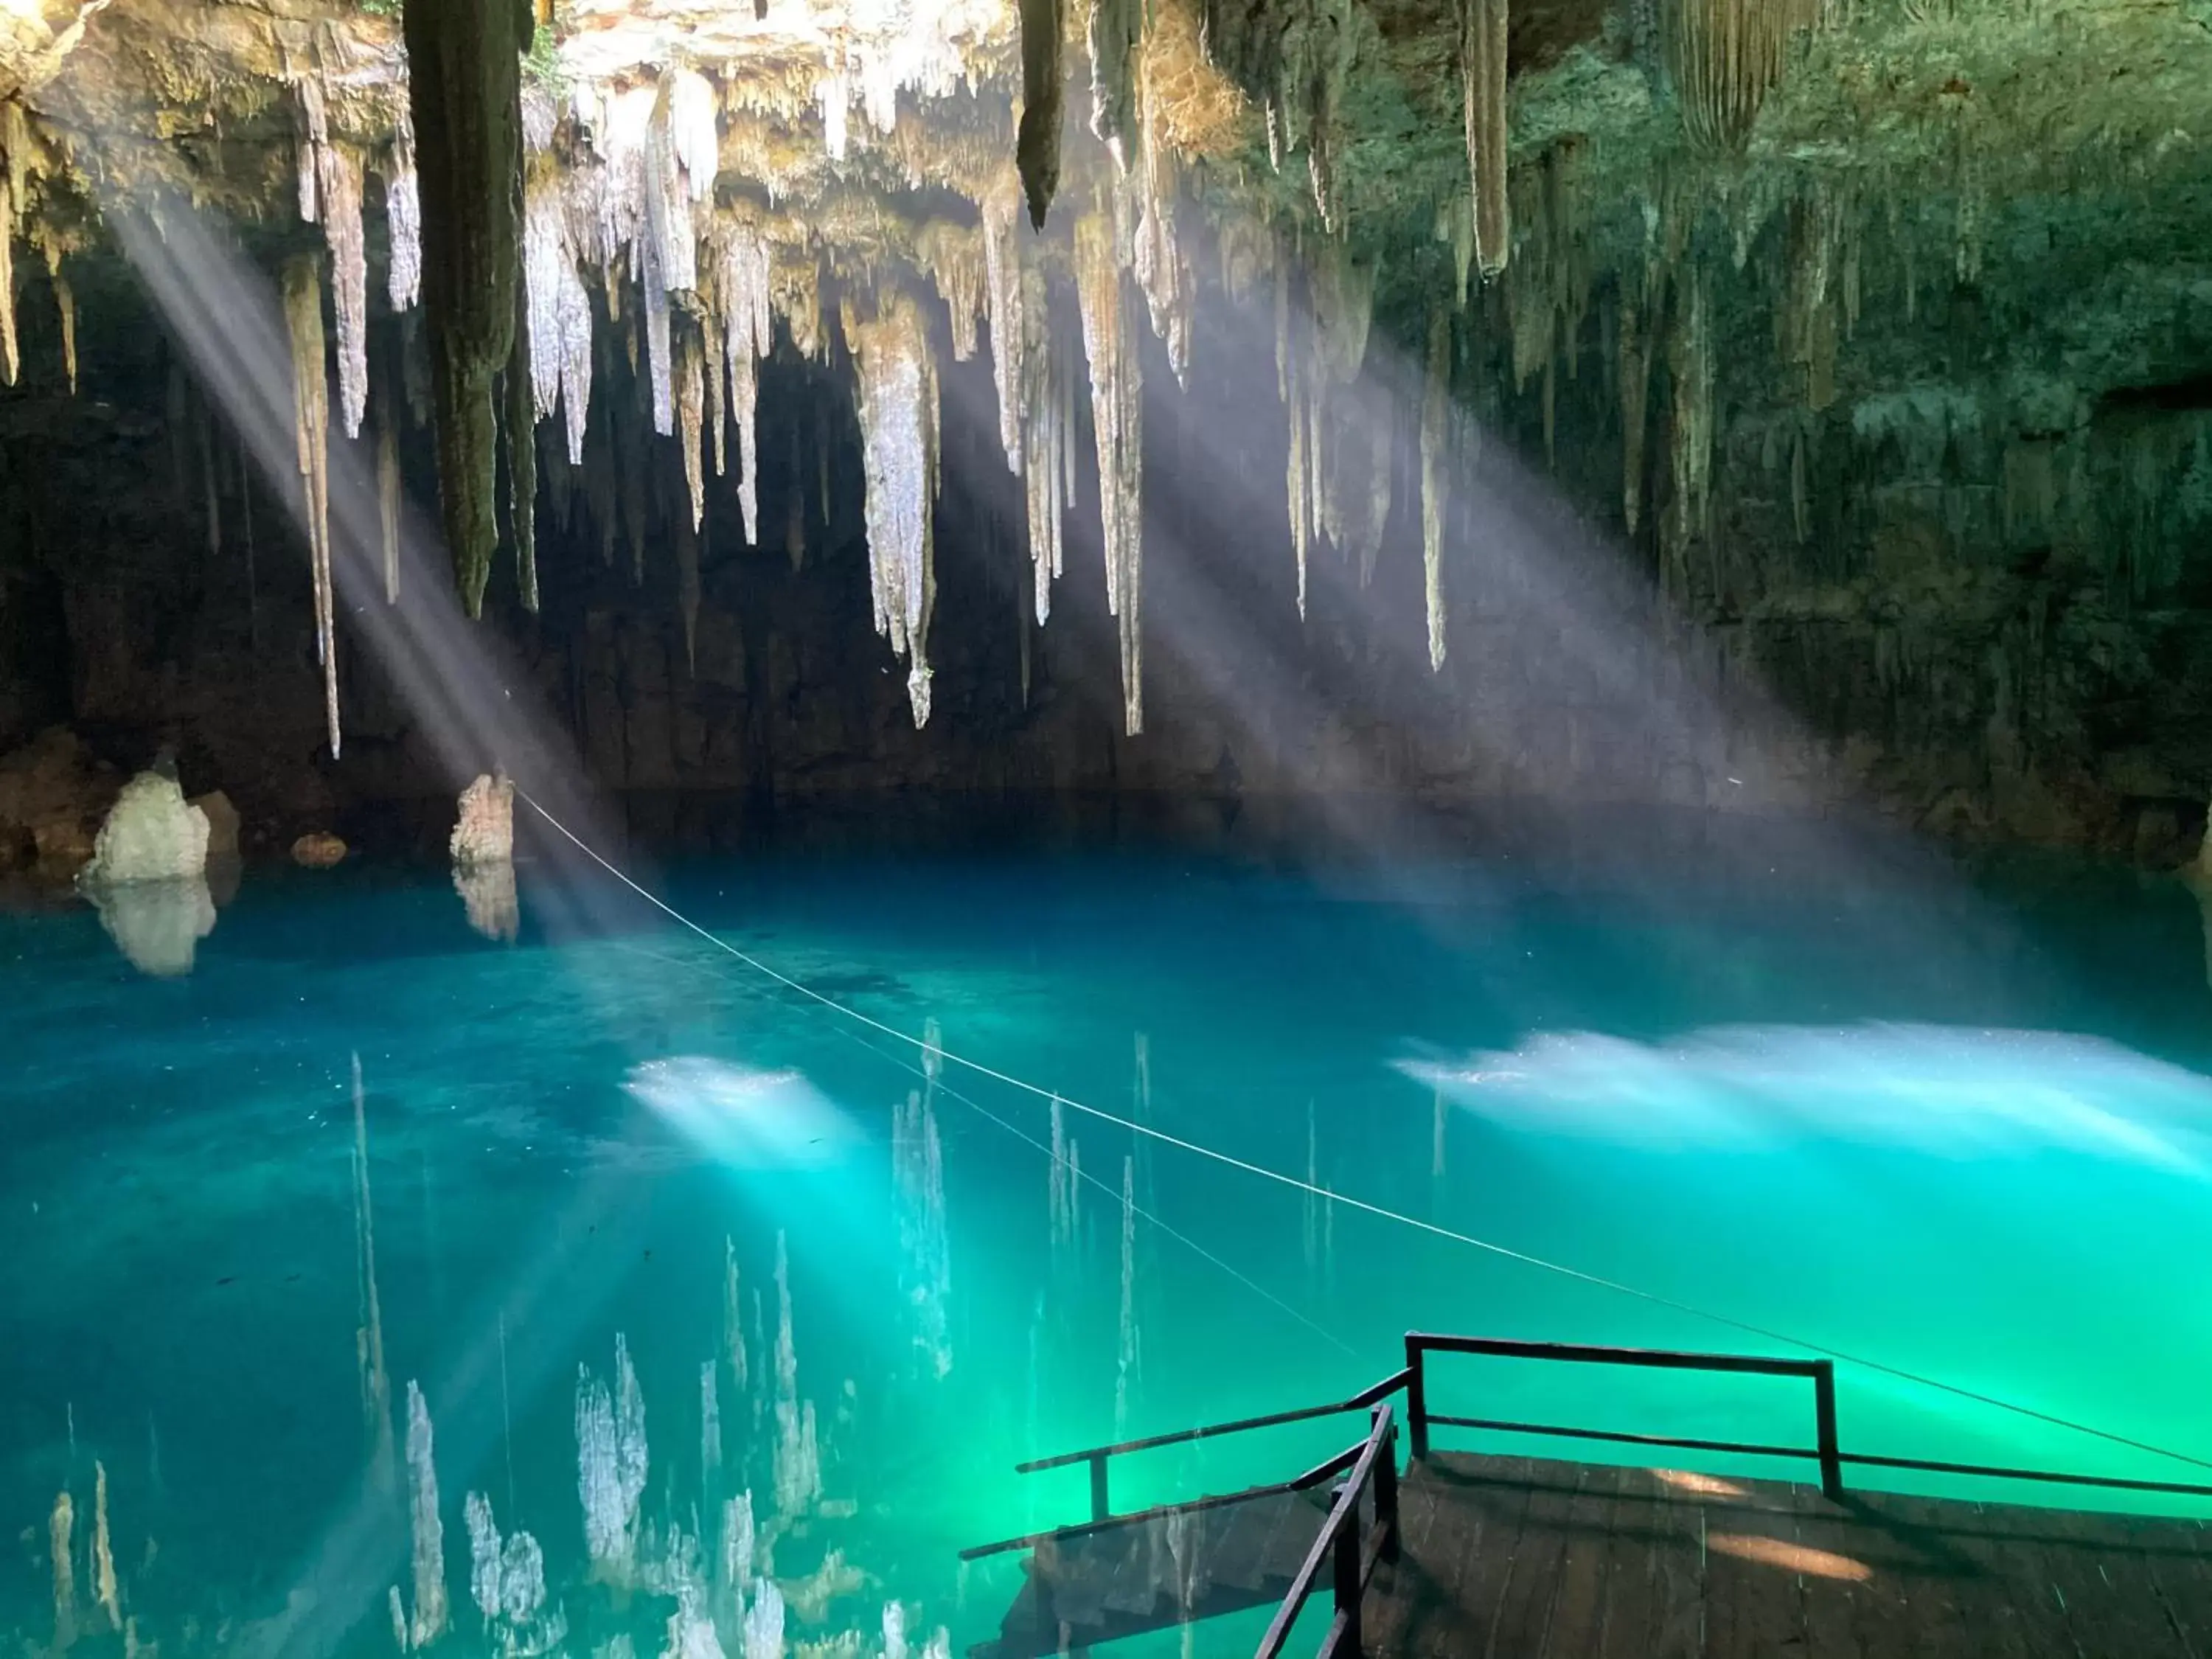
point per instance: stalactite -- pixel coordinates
(691, 420)
(717, 417)
(681, 153)
(794, 509)
(311, 431)
(898, 422)
(1047, 450)
(387, 489)
(1690, 366)
(1036, 143)
(65, 310)
(10, 354)
(403, 219)
(338, 172)
(428, 1531)
(1117, 405)
(1726, 55)
(1635, 383)
(1482, 81)
(659, 353)
(1436, 474)
(686, 538)
(210, 495)
(744, 286)
(1116, 34)
(464, 94)
(521, 435)
(1003, 293)
(1164, 272)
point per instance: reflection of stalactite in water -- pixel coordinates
(428, 1622)
(918, 1181)
(1126, 1364)
(798, 1456)
(612, 1461)
(368, 1335)
(733, 1335)
(59, 1525)
(710, 1421)
(103, 1557)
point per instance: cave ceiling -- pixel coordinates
(1756, 215)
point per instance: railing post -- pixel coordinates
(1347, 1560)
(1824, 1411)
(1417, 1400)
(1386, 1489)
(1100, 1508)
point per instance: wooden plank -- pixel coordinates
(1835, 1576)
(1523, 1599)
(2112, 1598)
(1649, 1521)
(1396, 1591)
(1754, 1605)
(1480, 1505)
(1577, 1610)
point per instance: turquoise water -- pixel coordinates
(1812, 1099)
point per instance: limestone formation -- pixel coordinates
(484, 834)
(152, 833)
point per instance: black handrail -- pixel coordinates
(1820, 1372)
(1339, 1544)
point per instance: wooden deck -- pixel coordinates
(1514, 1559)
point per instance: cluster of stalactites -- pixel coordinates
(1295, 57)
(1725, 57)
(898, 427)
(1110, 343)
(311, 431)
(559, 306)
(330, 195)
(1548, 291)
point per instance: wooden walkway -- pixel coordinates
(1514, 1558)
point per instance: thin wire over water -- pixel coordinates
(1502, 1251)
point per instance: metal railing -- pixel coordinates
(1372, 1464)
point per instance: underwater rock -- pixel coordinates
(157, 924)
(318, 850)
(152, 833)
(485, 832)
